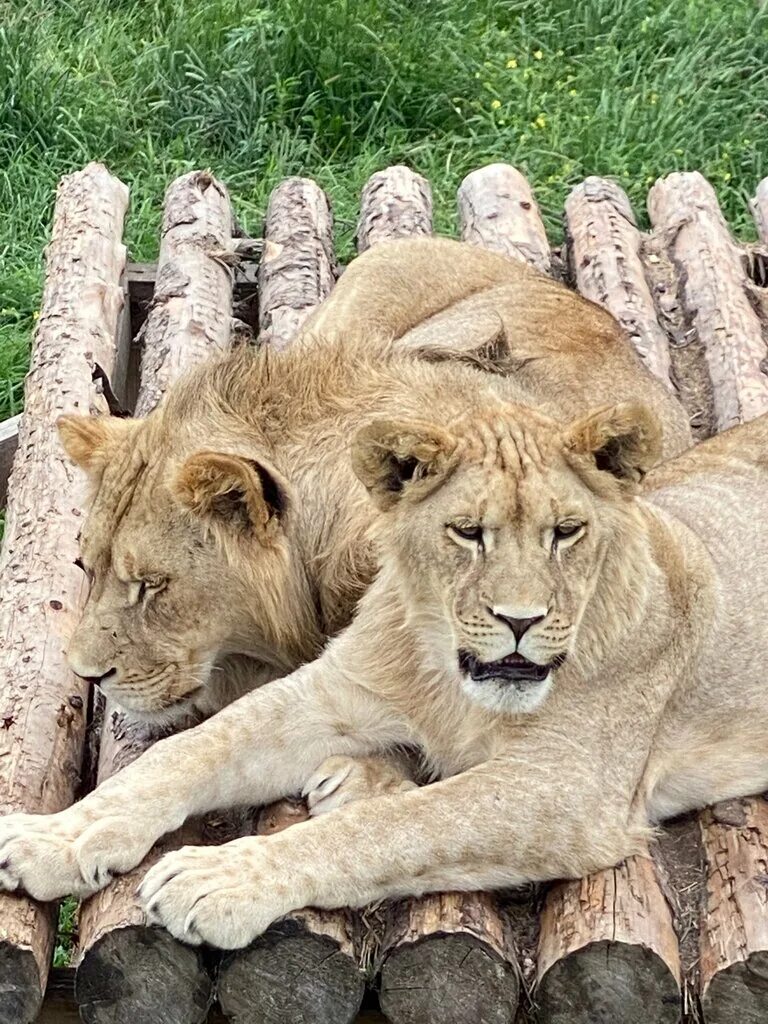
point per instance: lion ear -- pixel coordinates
(395, 460)
(623, 440)
(487, 347)
(90, 440)
(230, 492)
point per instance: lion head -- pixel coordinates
(187, 549)
(497, 531)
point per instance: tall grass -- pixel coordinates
(336, 89)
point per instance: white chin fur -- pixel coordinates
(507, 698)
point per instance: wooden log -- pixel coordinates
(497, 210)
(189, 318)
(297, 269)
(734, 926)
(608, 950)
(127, 969)
(304, 969)
(9, 440)
(41, 701)
(449, 956)
(604, 254)
(714, 293)
(395, 203)
(759, 208)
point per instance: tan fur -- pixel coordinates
(657, 602)
(236, 502)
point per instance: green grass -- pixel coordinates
(628, 88)
(66, 932)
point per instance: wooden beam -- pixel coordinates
(396, 203)
(9, 440)
(42, 588)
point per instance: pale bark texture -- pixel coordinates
(297, 269)
(734, 930)
(43, 704)
(759, 208)
(449, 959)
(604, 254)
(498, 211)
(714, 291)
(304, 969)
(608, 950)
(395, 203)
(128, 970)
(189, 319)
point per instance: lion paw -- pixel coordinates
(216, 895)
(341, 780)
(54, 855)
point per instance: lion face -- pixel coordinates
(498, 531)
(171, 545)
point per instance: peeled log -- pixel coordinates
(449, 960)
(297, 269)
(714, 293)
(759, 208)
(734, 930)
(604, 246)
(395, 203)
(497, 210)
(127, 969)
(43, 703)
(608, 950)
(304, 969)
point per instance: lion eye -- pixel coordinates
(145, 588)
(567, 529)
(467, 531)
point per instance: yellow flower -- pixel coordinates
(727, 176)
(538, 55)
(573, 92)
(36, 314)
(541, 121)
(511, 63)
(653, 98)
(495, 104)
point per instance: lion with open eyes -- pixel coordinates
(575, 657)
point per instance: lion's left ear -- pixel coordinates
(623, 440)
(395, 459)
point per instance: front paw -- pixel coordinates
(54, 855)
(341, 780)
(224, 896)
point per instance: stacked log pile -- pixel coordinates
(694, 304)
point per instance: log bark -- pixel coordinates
(395, 203)
(128, 970)
(498, 211)
(734, 928)
(304, 969)
(449, 958)
(41, 701)
(189, 318)
(297, 269)
(604, 249)
(759, 208)
(715, 294)
(608, 950)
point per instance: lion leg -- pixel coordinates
(256, 750)
(485, 828)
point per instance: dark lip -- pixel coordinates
(512, 669)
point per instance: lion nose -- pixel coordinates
(94, 679)
(519, 626)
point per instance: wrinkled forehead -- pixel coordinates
(128, 513)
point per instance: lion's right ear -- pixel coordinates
(243, 496)
(90, 440)
(394, 460)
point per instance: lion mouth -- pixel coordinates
(514, 668)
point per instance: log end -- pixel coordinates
(291, 976)
(21, 995)
(448, 979)
(739, 993)
(139, 974)
(605, 982)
